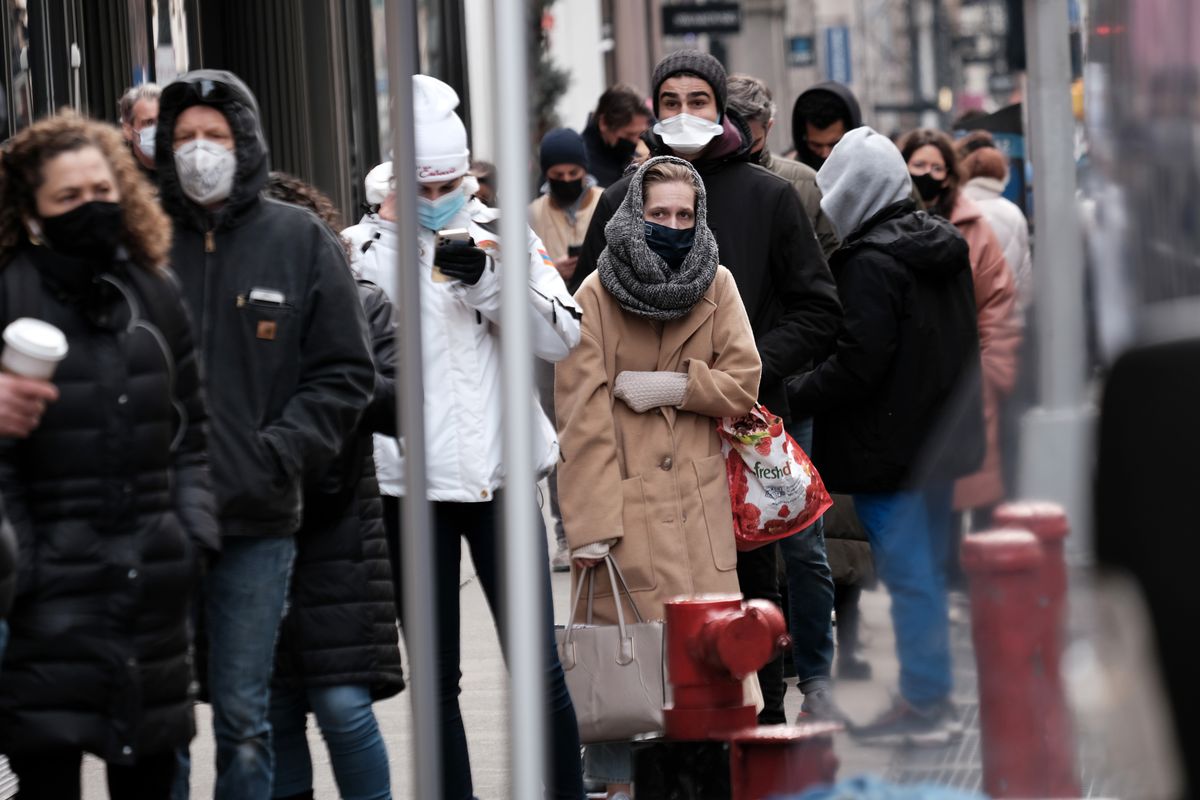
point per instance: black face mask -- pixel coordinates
(90, 231)
(565, 193)
(624, 149)
(928, 186)
(671, 244)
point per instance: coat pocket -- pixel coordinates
(633, 552)
(713, 485)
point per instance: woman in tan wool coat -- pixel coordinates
(666, 349)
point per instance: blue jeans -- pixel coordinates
(244, 594)
(810, 588)
(910, 538)
(356, 750)
(477, 523)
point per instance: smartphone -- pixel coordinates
(573, 250)
(448, 236)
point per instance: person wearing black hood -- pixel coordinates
(767, 242)
(821, 116)
(899, 408)
(283, 338)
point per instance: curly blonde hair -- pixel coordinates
(146, 229)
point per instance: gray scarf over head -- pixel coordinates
(636, 276)
(863, 175)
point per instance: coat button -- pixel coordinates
(123, 399)
(666, 463)
(127, 750)
(484, 494)
(131, 662)
(133, 573)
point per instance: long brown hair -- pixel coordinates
(921, 137)
(146, 229)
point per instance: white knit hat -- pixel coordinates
(441, 138)
(378, 183)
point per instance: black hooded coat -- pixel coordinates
(289, 376)
(766, 240)
(899, 402)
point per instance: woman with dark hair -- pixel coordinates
(338, 650)
(934, 168)
(110, 493)
(664, 333)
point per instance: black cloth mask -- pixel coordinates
(565, 193)
(91, 231)
(928, 186)
(671, 244)
(624, 148)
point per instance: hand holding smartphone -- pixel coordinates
(446, 237)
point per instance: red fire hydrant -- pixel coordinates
(1023, 755)
(1048, 522)
(713, 642)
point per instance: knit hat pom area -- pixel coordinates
(636, 276)
(441, 137)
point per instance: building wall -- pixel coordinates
(576, 42)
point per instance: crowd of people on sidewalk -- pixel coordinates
(204, 501)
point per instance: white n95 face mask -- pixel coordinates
(146, 140)
(205, 171)
(687, 135)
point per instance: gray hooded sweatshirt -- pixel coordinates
(863, 175)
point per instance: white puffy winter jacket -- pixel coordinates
(461, 350)
(1012, 229)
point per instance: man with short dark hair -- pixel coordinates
(613, 131)
(820, 118)
(138, 109)
(767, 242)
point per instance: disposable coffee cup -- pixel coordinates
(32, 348)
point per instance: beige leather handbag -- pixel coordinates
(616, 674)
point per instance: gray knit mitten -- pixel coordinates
(643, 391)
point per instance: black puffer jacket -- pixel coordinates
(111, 499)
(341, 626)
(8, 565)
(899, 402)
(767, 242)
(289, 379)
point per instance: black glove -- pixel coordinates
(460, 261)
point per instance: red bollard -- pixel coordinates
(778, 759)
(713, 642)
(1023, 751)
(1048, 522)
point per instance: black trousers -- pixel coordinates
(55, 776)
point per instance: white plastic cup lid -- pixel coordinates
(36, 339)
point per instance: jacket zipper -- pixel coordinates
(210, 246)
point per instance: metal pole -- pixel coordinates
(1055, 438)
(524, 563)
(420, 630)
(1058, 264)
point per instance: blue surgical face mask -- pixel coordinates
(671, 244)
(435, 214)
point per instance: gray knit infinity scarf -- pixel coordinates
(636, 276)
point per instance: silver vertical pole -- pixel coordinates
(420, 631)
(1055, 460)
(1058, 265)
(523, 564)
